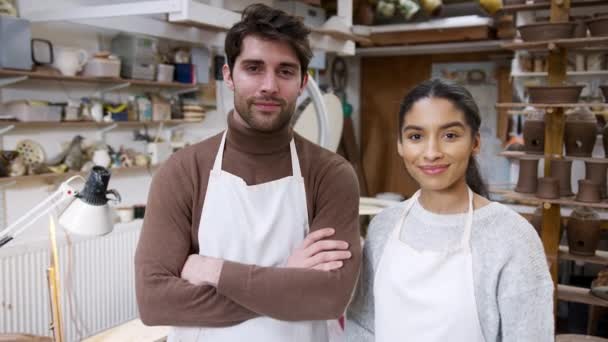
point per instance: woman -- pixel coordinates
(448, 264)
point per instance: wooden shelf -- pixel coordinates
(582, 295)
(600, 257)
(573, 43)
(525, 155)
(547, 5)
(533, 199)
(569, 74)
(6, 73)
(551, 105)
(90, 124)
(54, 177)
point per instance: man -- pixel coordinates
(252, 234)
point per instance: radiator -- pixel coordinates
(103, 286)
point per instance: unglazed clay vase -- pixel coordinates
(562, 170)
(580, 133)
(583, 231)
(588, 191)
(534, 136)
(548, 188)
(596, 172)
(528, 176)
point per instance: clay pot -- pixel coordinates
(562, 170)
(580, 31)
(583, 231)
(534, 136)
(596, 172)
(588, 191)
(598, 27)
(555, 94)
(548, 188)
(528, 176)
(579, 137)
(536, 220)
(546, 31)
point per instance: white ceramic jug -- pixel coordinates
(70, 60)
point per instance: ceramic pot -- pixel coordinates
(548, 188)
(534, 136)
(546, 31)
(579, 137)
(596, 172)
(588, 191)
(583, 234)
(562, 170)
(528, 176)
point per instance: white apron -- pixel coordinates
(426, 296)
(253, 224)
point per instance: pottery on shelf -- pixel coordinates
(546, 31)
(596, 172)
(583, 231)
(554, 94)
(598, 27)
(562, 170)
(534, 136)
(548, 188)
(604, 89)
(580, 132)
(528, 176)
(599, 286)
(588, 191)
(536, 220)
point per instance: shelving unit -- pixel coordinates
(20, 76)
(554, 45)
(547, 5)
(522, 154)
(187, 21)
(600, 257)
(579, 295)
(568, 74)
(55, 177)
(91, 124)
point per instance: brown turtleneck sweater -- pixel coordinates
(170, 234)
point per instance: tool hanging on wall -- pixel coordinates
(348, 145)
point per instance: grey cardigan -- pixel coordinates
(512, 284)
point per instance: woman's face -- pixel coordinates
(436, 144)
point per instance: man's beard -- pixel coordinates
(264, 122)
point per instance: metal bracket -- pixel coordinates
(5, 81)
(101, 134)
(115, 87)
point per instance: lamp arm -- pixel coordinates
(63, 194)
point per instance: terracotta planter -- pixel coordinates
(583, 233)
(555, 94)
(588, 191)
(548, 188)
(546, 31)
(562, 170)
(528, 176)
(596, 172)
(534, 136)
(579, 137)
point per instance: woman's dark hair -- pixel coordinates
(460, 97)
(269, 23)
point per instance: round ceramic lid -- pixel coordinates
(31, 152)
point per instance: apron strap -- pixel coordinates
(466, 236)
(217, 164)
(295, 162)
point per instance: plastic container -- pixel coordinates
(31, 111)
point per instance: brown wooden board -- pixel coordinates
(432, 36)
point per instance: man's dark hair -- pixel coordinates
(269, 23)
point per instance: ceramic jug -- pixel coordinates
(69, 60)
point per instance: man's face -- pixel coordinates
(266, 80)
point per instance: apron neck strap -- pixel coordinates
(295, 163)
(466, 236)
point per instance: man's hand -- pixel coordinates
(202, 270)
(319, 254)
